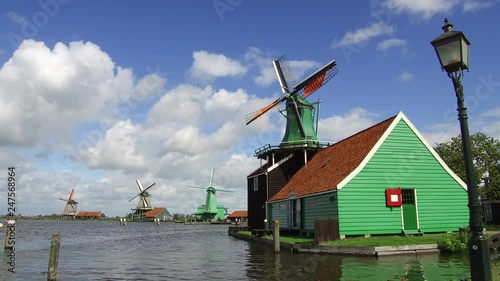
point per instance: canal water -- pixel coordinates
(104, 250)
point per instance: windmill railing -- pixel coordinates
(291, 145)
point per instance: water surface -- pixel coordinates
(104, 250)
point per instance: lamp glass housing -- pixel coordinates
(452, 49)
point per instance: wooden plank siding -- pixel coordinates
(277, 211)
(318, 207)
(314, 207)
(256, 201)
(402, 161)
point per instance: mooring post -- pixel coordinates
(276, 235)
(8, 231)
(54, 257)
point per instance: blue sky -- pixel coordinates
(97, 94)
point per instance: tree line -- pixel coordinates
(486, 159)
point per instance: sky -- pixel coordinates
(97, 94)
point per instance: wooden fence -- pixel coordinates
(326, 230)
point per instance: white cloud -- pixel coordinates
(57, 90)
(391, 43)
(362, 35)
(182, 105)
(495, 112)
(405, 76)
(421, 8)
(474, 6)
(439, 133)
(117, 150)
(148, 87)
(207, 66)
(336, 128)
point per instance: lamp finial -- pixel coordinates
(447, 26)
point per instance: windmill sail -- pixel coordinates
(144, 196)
(284, 73)
(71, 205)
(300, 127)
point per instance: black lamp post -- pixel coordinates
(452, 49)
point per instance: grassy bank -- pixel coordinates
(393, 240)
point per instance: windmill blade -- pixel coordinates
(284, 73)
(144, 202)
(148, 188)
(222, 190)
(198, 187)
(71, 194)
(212, 177)
(254, 115)
(139, 185)
(62, 199)
(316, 80)
(134, 197)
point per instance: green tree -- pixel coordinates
(486, 159)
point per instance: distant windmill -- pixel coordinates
(211, 211)
(300, 127)
(144, 203)
(70, 208)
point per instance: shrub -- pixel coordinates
(455, 242)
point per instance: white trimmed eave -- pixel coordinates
(399, 117)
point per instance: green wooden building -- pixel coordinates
(383, 180)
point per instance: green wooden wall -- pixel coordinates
(277, 211)
(318, 207)
(314, 207)
(402, 161)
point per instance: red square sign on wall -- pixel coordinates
(393, 197)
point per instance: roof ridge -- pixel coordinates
(366, 129)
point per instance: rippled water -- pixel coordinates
(104, 250)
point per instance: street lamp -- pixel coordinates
(452, 49)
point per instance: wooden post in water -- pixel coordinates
(276, 235)
(7, 245)
(54, 257)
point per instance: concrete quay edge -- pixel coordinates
(344, 250)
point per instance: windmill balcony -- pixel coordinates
(290, 145)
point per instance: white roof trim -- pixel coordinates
(279, 162)
(382, 139)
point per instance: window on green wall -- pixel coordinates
(255, 184)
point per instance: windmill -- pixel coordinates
(70, 208)
(279, 163)
(144, 203)
(211, 211)
(300, 127)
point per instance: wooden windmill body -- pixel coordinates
(70, 209)
(300, 141)
(144, 202)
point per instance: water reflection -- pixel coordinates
(141, 251)
(288, 266)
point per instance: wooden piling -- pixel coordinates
(54, 257)
(7, 245)
(276, 235)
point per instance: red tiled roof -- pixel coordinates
(153, 213)
(89, 214)
(238, 214)
(331, 165)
